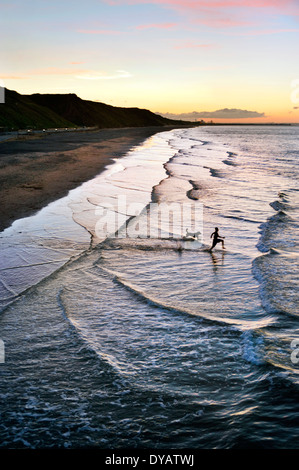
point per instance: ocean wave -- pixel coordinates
(252, 344)
(279, 230)
(230, 162)
(280, 206)
(277, 285)
(243, 325)
(240, 217)
(275, 269)
(198, 190)
(216, 172)
(232, 154)
(154, 244)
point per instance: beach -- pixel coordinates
(35, 171)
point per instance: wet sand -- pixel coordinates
(37, 171)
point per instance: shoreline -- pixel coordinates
(36, 172)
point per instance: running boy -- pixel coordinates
(216, 239)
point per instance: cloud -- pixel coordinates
(100, 31)
(192, 45)
(53, 71)
(208, 3)
(212, 4)
(13, 77)
(264, 32)
(221, 13)
(101, 76)
(222, 21)
(40, 72)
(157, 26)
(72, 72)
(225, 113)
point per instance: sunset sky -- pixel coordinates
(235, 60)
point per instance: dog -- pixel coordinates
(193, 235)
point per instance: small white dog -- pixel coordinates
(194, 235)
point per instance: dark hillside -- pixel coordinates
(20, 112)
(91, 113)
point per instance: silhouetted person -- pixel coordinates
(216, 239)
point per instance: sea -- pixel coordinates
(119, 328)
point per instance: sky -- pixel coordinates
(220, 60)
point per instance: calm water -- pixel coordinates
(114, 338)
